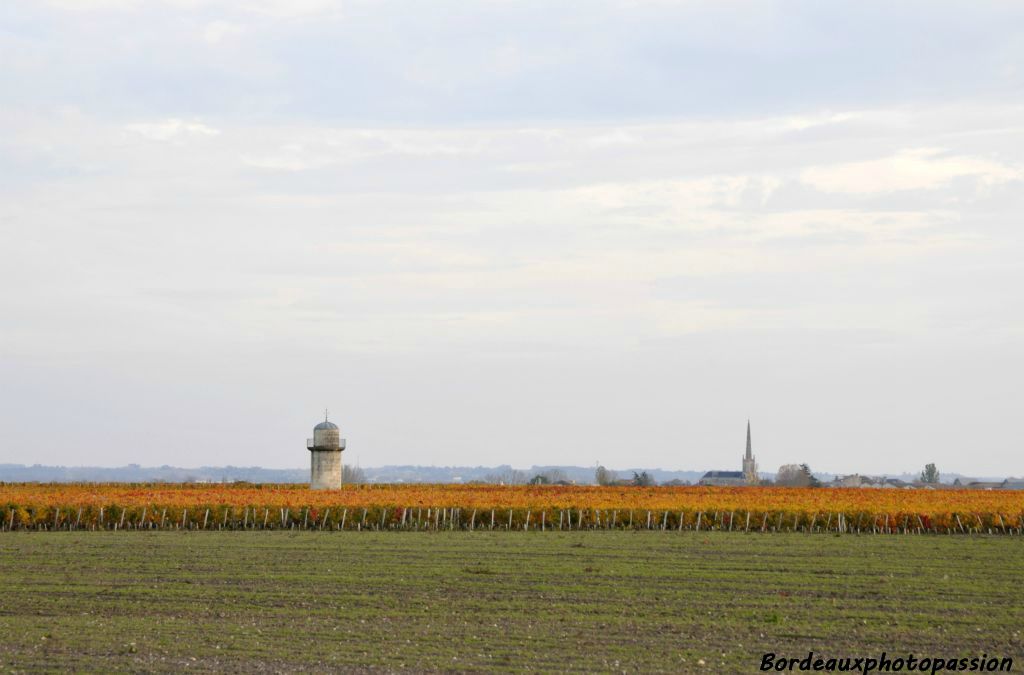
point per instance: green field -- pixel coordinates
(585, 601)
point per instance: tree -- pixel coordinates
(550, 477)
(796, 475)
(930, 474)
(788, 474)
(603, 476)
(352, 474)
(507, 476)
(642, 479)
(808, 477)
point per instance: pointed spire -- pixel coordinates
(749, 455)
(325, 419)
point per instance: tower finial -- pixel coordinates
(325, 414)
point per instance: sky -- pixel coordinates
(513, 233)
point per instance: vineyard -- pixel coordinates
(472, 507)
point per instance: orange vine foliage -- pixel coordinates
(757, 499)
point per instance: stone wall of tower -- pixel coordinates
(750, 469)
(325, 469)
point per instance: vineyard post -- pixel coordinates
(731, 513)
(472, 520)
(344, 515)
(648, 520)
(631, 519)
(958, 522)
(56, 517)
(305, 518)
(813, 520)
(362, 523)
(227, 510)
(163, 518)
(699, 516)
(526, 526)
(245, 521)
(492, 519)
(12, 521)
(569, 518)
(206, 518)
(920, 523)
(543, 520)
(829, 521)
(561, 516)
(887, 523)
(747, 527)
(779, 526)
(100, 522)
(510, 519)
(597, 518)
(184, 515)
(266, 516)
(681, 514)
(764, 523)
(664, 521)
(615, 518)
(383, 517)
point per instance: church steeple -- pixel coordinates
(749, 465)
(749, 455)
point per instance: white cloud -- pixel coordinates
(216, 32)
(171, 129)
(910, 169)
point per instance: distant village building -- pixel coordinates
(855, 480)
(325, 448)
(748, 476)
(1008, 484)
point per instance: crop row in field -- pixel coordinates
(593, 602)
(420, 507)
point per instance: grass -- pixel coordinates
(583, 601)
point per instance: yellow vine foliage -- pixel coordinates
(46, 499)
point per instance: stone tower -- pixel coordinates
(749, 464)
(325, 450)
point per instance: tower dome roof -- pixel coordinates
(325, 425)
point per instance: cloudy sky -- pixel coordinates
(513, 232)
